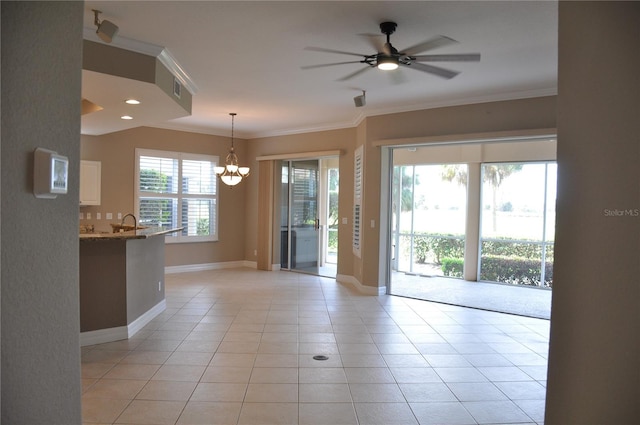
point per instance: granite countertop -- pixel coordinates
(141, 233)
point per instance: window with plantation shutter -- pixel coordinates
(176, 189)
(357, 200)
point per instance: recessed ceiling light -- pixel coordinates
(126, 117)
(132, 101)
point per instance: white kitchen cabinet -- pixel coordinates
(90, 181)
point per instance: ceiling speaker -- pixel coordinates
(107, 30)
(360, 100)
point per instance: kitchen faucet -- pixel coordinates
(135, 222)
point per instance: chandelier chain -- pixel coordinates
(233, 116)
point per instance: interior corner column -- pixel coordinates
(265, 214)
(472, 234)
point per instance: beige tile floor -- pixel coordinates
(237, 346)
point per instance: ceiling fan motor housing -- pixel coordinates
(388, 28)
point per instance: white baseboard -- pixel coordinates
(142, 321)
(367, 290)
(210, 266)
(101, 336)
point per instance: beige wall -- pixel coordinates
(513, 115)
(594, 356)
(300, 143)
(116, 151)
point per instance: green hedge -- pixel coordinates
(502, 260)
(505, 248)
(515, 270)
(452, 246)
(441, 246)
(452, 267)
(333, 241)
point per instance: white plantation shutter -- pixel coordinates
(357, 200)
(198, 204)
(158, 191)
(178, 190)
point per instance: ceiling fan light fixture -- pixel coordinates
(388, 58)
(388, 63)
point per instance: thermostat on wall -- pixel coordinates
(50, 174)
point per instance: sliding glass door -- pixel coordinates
(462, 211)
(300, 223)
(309, 216)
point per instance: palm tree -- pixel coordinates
(406, 191)
(494, 174)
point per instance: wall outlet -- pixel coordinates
(109, 216)
(98, 216)
(119, 216)
(88, 216)
(345, 220)
(81, 216)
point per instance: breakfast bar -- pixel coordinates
(121, 282)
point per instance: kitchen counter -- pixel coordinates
(140, 233)
(121, 282)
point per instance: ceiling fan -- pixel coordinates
(390, 58)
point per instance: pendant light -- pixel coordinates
(231, 174)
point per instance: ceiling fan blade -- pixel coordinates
(431, 44)
(340, 52)
(435, 70)
(327, 64)
(375, 40)
(354, 74)
(462, 57)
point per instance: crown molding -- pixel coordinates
(166, 58)
(494, 97)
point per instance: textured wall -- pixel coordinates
(594, 356)
(41, 85)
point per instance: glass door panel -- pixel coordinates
(309, 216)
(429, 218)
(300, 223)
(518, 217)
(284, 216)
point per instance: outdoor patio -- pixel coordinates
(520, 300)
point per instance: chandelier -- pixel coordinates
(231, 174)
